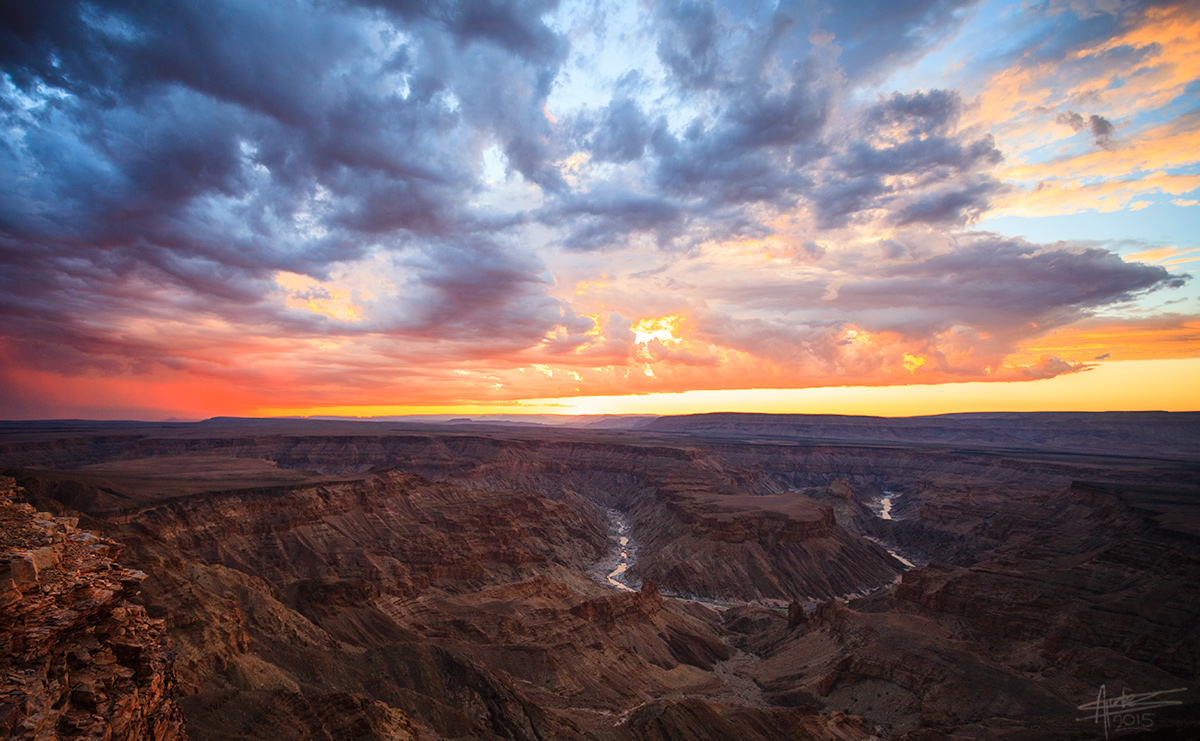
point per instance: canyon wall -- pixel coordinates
(394, 584)
(78, 660)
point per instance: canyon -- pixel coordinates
(785, 576)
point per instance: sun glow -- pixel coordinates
(913, 362)
(987, 212)
(662, 329)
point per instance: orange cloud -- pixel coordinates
(1165, 255)
(1053, 196)
(1118, 339)
(294, 377)
(1164, 147)
(1131, 385)
(1167, 41)
(1146, 67)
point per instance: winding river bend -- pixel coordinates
(623, 553)
(885, 505)
(611, 570)
(883, 510)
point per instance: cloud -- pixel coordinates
(1100, 127)
(606, 218)
(479, 293)
(622, 133)
(1133, 64)
(1071, 119)
(358, 202)
(877, 35)
(1054, 196)
(688, 47)
(933, 312)
(909, 159)
(737, 157)
(516, 27)
(170, 157)
(955, 285)
(1044, 286)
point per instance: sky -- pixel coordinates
(379, 207)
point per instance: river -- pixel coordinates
(611, 570)
(623, 552)
(883, 510)
(885, 504)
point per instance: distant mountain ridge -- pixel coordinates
(1170, 434)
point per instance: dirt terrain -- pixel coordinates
(343, 579)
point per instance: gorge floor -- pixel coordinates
(376, 581)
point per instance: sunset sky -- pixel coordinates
(376, 207)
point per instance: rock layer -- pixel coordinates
(78, 660)
(709, 538)
(312, 592)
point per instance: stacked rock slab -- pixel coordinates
(77, 659)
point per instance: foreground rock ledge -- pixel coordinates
(77, 659)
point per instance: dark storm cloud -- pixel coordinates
(181, 154)
(773, 140)
(622, 133)
(688, 45)
(925, 112)
(876, 35)
(509, 102)
(472, 290)
(606, 218)
(504, 74)
(906, 158)
(516, 27)
(900, 161)
(379, 205)
(302, 82)
(743, 156)
(998, 284)
(266, 58)
(770, 94)
(189, 99)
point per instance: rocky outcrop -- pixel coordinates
(641, 604)
(698, 720)
(400, 532)
(315, 593)
(1079, 572)
(294, 715)
(463, 610)
(702, 535)
(77, 659)
(795, 614)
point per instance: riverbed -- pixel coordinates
(622, 551)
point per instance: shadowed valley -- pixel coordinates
(969, 576)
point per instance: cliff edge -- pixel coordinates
(77, 659)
